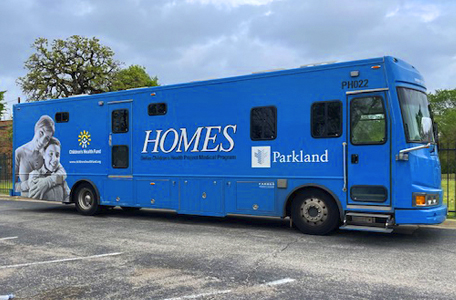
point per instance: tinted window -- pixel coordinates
(368, 121)
(62, 117)
(120, 120)
(416, 116)
(368, 193)
(157, 109)
(326, 119)
(120, 157)
(318, 119)
(263, 123)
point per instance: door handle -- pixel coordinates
(354, 158)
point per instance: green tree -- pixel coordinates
(77, 65)
(2, 104)
(6, 137)
(443, 105)
(132, 77)
(442, 100)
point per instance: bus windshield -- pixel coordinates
(416, 116)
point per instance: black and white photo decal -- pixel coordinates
(39, 174)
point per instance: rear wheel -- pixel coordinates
(86, 200)
(315, 212)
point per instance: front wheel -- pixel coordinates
(86, 200)
(315, 212)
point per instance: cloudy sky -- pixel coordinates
(185, 40)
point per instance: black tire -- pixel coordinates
(86, 200)
(130, 209)
(315, 212)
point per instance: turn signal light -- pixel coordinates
(420, 200)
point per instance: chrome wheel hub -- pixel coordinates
(85, 199)
(314, 211)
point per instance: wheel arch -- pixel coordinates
(302, 188)
(79, 183)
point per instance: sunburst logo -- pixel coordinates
(84, 139)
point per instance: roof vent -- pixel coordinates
(267, 71)
(319, 64)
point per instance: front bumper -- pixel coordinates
(421, 216)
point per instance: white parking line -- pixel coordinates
(278, 282)
(8, 238)
(201, 295)
(59, 260)
(272, 283)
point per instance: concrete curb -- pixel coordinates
(449, 223)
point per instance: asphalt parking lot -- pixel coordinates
(49, 251)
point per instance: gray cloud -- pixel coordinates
(195, 39)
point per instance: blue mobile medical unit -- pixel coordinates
(347, 145)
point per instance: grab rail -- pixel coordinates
(344, 146)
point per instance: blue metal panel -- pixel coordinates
(421, 216)
(190, 196)
(212, 196)
(202, 196)
(255, 197)
(118, 191)
(155, 193)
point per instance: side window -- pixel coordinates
(367, 121)
(119, 121)
(120, 157)
(369, 193)
(326, 119)
(263, 123)
(157, 109)
(62, 117)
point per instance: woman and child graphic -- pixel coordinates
(39, 174)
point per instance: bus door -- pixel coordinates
(368, 150)
(120, 175)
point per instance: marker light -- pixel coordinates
(425, 199)
(375, 67)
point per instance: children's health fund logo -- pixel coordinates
(261, 157)
(85, 142)
(84, 139)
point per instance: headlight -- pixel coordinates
(423, 199)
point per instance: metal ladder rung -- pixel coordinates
(355, 214)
